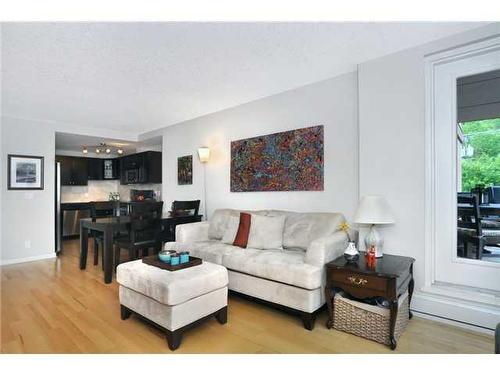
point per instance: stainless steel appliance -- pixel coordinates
(67, 216)
(71, 221)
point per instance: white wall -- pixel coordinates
(332, 103)
(27, 215)
(392, 136)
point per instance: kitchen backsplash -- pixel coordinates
(99, 191)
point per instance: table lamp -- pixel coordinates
(374, 209)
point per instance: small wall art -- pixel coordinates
(25, 172)
(185, 170)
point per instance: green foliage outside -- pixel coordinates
(483, 167)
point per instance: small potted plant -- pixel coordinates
(351, 254)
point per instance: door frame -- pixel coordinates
(432, 288)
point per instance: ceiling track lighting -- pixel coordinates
(103, 147)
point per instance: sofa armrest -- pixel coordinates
(326, 249)
(192, 232)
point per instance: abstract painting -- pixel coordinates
(185, 170)
(286, 161)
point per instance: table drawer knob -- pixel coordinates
(357, 281)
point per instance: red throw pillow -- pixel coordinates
(241, 238)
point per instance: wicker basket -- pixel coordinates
(371, 322)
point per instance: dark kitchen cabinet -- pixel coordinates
(104, 169)
(96, 169)
(141, 168)
(74, 170)
(111, 169)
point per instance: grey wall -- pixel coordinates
(27, 215)
(332, 103)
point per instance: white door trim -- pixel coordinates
(431, 229)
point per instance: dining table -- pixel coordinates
(109, 226)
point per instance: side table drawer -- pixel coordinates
(358, 280)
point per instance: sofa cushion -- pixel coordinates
(211, 251)
(219, 220)
(218, 223)
(233, 223)
(277, 265)
(171, 288)
(303, 228)
(241, 238)
(266, 232)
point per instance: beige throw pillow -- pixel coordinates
(231, 229)
(266, 232)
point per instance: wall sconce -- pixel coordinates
(204, 154)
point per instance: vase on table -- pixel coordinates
(351, 254)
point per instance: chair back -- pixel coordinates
(102, 209)
(138, 208)
(493, 194)
(193, 206)
(145, 227)
(468, 216)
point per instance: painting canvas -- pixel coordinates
(25, 172)
(185, 170)
(286, 161)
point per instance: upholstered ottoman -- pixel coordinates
(173, 300)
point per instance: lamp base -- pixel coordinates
(373, 238)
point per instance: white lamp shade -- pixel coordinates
(373, 209)
(204, 154)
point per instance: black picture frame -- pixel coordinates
(27, 157)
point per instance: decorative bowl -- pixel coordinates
(165, 255)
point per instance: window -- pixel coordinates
(479, 153)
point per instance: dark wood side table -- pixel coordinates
(390, 277)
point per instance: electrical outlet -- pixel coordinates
(27, 244)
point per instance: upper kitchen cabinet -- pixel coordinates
(74, 170)
(141, 168)
(96, 169)
(104, 169)
(111, 169)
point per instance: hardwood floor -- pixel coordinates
(51, 306)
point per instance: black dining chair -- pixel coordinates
(146, 206)
(493, 194)
(183, 211)
(144, 231)
(100, 210)
(469, 226)
(185, 208)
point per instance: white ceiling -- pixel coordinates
(138, 77)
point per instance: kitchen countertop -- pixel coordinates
(80, 205)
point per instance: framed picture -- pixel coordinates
(185, 170)
(287, 161)
(25, 172)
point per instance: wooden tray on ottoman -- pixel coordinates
(153, 260)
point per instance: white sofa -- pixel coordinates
(293, 277)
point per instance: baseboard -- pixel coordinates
(470, 315)
(27, 259)
(454, 323)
